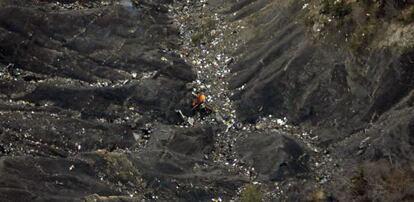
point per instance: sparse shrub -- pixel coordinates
(202, 33)
(196, 38)
(120, 167)
(411, 14)
(366, 3)
(381, 181)
(407, 16)
(319, 196)
(251, 193)
(371, 7)
(398, 181)
(359, 183)
(336, 8)
(362, 37)
(208, 24)
(359, 22)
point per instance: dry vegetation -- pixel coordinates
(359, 22)
(380, 181)
(251, 193)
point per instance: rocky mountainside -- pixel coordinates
(312, 100)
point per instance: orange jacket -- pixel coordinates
(201, 98)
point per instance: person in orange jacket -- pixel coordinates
(199, 100)
(199, 104)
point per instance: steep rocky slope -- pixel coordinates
(336, 69)
(313, 100)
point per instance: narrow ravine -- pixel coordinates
(207, 43)
(203, 45)
(310, 100)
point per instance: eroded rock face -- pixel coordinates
(285, 72)
(90, 93)
(78, 80)
(176, 162)
(273, 156)
(49, 179)
(360, 104)
(81, 74)
(314, 84)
